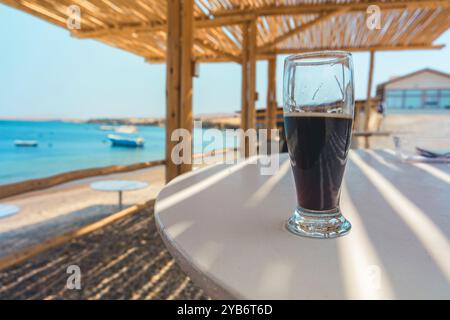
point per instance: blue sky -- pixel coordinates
(46, 73)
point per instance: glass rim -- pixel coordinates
(324, 57)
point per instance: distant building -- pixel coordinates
(425, 89)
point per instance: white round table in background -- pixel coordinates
(225, 226)
(119, 186)
(7, 210)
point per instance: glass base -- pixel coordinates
(318, 224)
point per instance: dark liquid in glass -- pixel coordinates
(318, 147)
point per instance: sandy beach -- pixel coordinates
(47, 213)
(429, 128)
(50, 212)
(124, 260)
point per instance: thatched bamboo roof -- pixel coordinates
(283, 26)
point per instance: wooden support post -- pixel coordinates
(368, 99)
(271, 112)
(179, 79)
(248, 114)
(187, 42)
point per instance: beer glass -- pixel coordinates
(318, 102)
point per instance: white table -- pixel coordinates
(118, 186)
(7, 210)
(225, 225)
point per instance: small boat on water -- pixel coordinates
(107, 128)
(126, 129)
(119, 141)
(120, 129)
(26, 143)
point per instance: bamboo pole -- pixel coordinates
(248, 79)
(368, 99)
(271, 114)
(252, 78)
(179, 78)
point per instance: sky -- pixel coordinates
(46, 73)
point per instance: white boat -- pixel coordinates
(117, 140)
(126, 129)
(107, 128)
(26, 143)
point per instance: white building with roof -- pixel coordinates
(425, 89)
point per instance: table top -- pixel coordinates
(118, 185)
(225, 225)
(8, 210)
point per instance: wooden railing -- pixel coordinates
(17, 188)
(358, 123)
(359, 120)
(12, 189)
(261, 118)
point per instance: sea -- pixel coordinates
(66, 146)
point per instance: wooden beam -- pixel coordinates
(244, 76)
(187, 42)
(271, 114)
(368, 99)
(207, 45)
(159, 25)
(248, 114)
(237, 16)
(252, 75)
(301, 28)
(203, 59)
(173, 75)
(179, 78)
(213, 59)
(268, 54)
(355, 49)
(217, 21)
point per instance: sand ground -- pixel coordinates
(53, 211)
(124, 260)
(432, 130)
(44, 214)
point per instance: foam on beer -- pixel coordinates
(318, 114)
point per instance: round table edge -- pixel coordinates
(133, 189)
(207, 283)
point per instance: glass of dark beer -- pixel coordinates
(318, 99)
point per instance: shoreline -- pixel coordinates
(210, 120)
(34, 184)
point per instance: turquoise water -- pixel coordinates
(67, 146)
